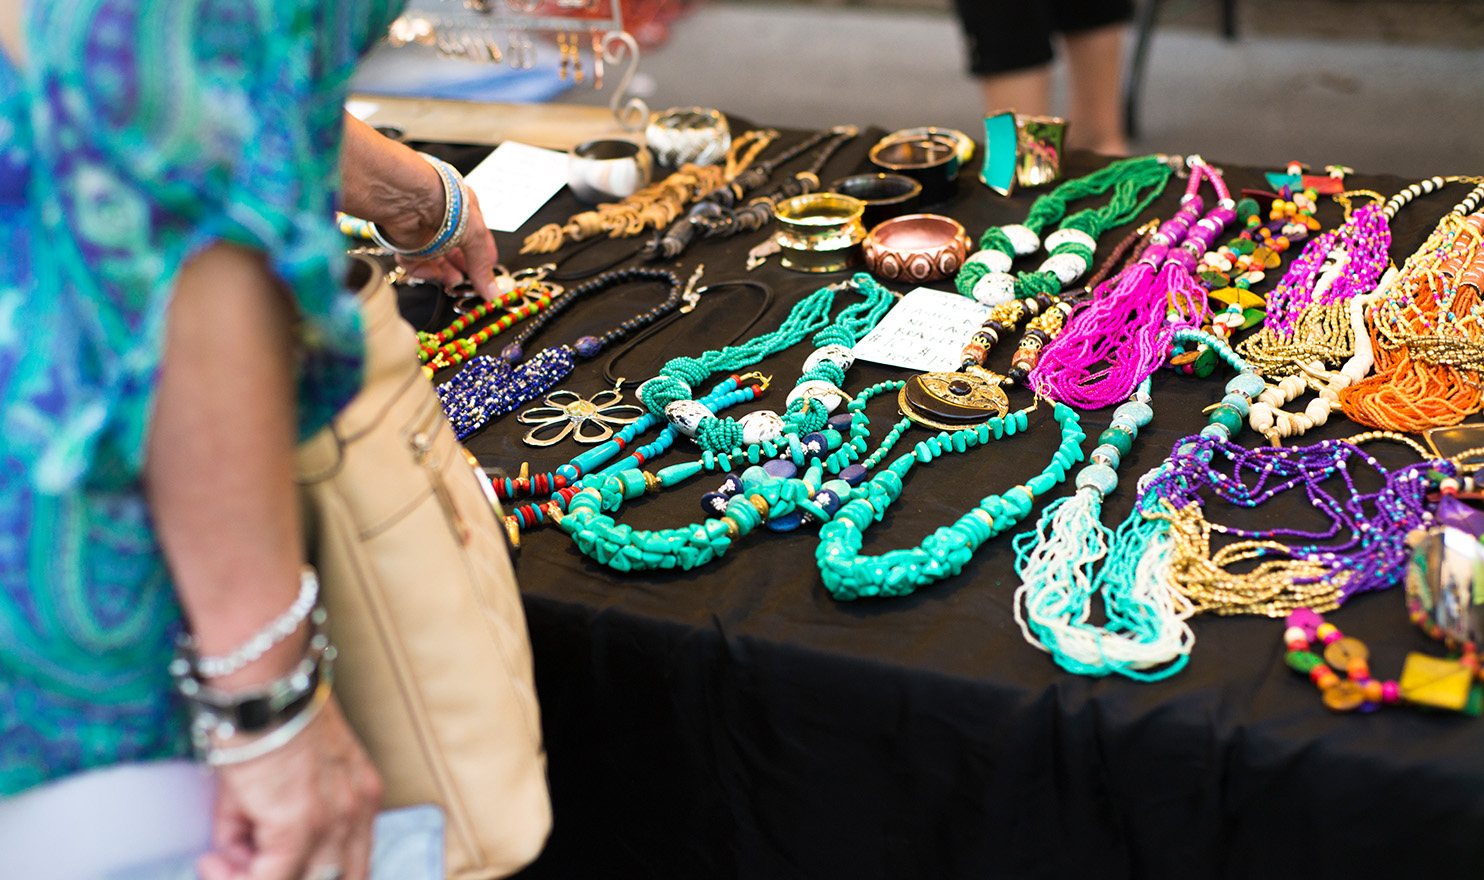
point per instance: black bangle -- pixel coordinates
(215, 712)
(614, 381)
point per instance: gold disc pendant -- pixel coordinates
(950, 401)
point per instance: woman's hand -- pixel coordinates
(473, 257)
(299, 812)
(395, 188)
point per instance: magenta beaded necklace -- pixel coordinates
(1119, 337)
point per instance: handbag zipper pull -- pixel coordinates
(422, 445)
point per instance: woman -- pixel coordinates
(1011, 47)
(171, 321)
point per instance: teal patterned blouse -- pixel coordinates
(137, 133)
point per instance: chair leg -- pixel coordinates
(1133, 83)
(1229, 19)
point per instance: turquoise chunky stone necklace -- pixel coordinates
(944, 553)
(846, 504)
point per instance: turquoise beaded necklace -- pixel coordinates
(591, 468)
(815, 394)
(800, 436)
(1146, 637)
(985, 275)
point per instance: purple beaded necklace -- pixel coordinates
(1121, 335)
(1364, 548)
(490, 387)
(1357, 252)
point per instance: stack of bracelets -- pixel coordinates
(455, 217)
(233, 727)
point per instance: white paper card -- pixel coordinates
(361, 110)
(925, 331)
(514, 181)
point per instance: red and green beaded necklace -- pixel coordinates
(444, 349)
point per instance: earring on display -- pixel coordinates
(597, 60)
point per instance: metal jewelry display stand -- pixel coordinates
(498, 31)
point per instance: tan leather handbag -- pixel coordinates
(435, 663)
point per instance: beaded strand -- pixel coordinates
(1363, 549)
(1146, 637)
(490, 387)
(1426, 681)
(443, 349)
(1119, 337)
(985, 275)
(815, 395)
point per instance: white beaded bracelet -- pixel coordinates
(264, 639)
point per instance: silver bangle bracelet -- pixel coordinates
(455, 217)
(264, 639)
(275, 739)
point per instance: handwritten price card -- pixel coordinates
(925, 331)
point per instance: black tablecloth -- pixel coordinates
(736, 721)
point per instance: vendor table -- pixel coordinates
(736, 721)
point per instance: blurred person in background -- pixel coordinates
(1011, 49)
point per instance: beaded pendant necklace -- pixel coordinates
(815, 395)
(1146, 637)
(1433, 682)
(970, 394)
(1121, 335)
(490, 387)
(1043, 328)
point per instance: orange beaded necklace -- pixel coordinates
(1427, 333)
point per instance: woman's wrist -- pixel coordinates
(230, 724)
(390, 185)
(409, 217)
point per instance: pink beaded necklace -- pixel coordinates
(1120, 336)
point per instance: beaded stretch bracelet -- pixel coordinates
(455, 217)
(260, 642)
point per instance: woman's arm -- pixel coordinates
(219, 480)
(395, 188)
